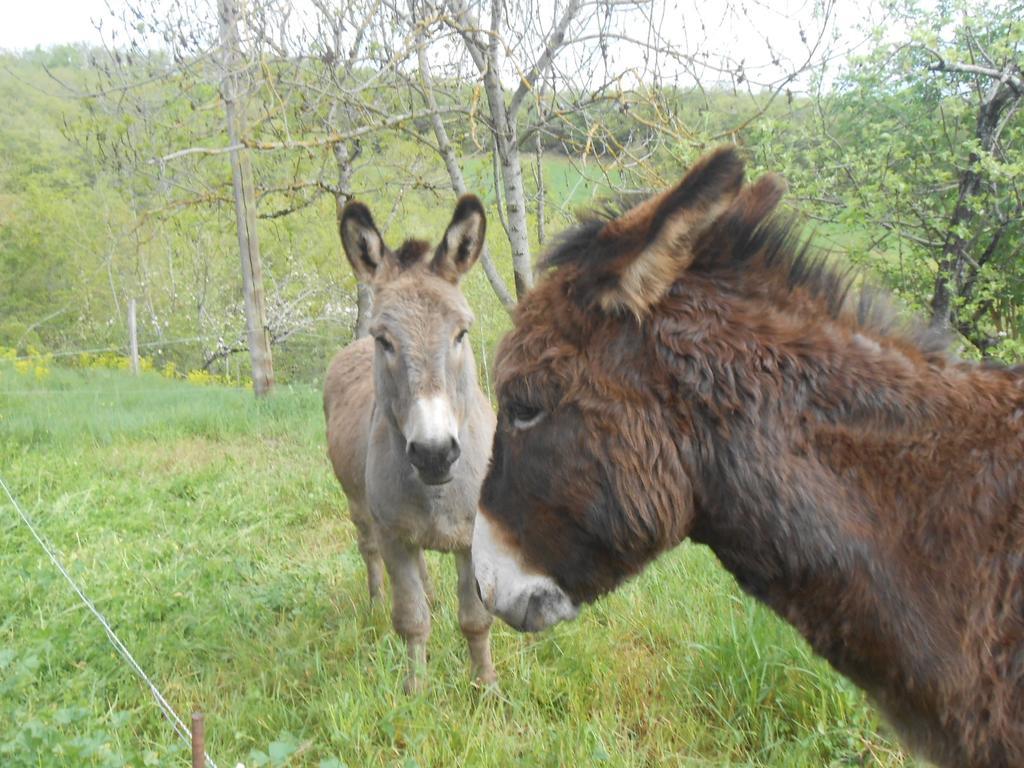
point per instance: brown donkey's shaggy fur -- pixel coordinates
(687, 369)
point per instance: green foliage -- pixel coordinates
(88, 222)
(86, 225)
(885, 155)
(209, 529)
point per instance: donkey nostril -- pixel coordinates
(479, 592)
(419, 454)
(433, 457)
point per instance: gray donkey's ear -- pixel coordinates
(363, 244)
(463, 241)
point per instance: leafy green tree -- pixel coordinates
(923, 140)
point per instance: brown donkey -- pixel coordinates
(689, 369)
(408, 429)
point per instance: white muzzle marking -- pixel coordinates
(526, 600)
(431, 420)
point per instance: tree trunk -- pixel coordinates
(486, 52)
(245, 206)
(541, 235)
(950, 280)
(507, 146)
(364, 306)
(451, 163)
(364, 293)
(950, 275)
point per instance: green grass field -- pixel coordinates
(210, 531)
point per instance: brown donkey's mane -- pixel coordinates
(774, 252)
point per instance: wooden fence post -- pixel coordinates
(198, 741)
(133, 337)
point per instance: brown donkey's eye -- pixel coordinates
(461, 337)
(522, 415)
(386, 345)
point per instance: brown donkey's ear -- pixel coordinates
(656, 238)
(737, 224)
(363, 244)
(463, 240)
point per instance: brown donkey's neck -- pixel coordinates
(836, 476)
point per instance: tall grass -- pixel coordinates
(209, 530)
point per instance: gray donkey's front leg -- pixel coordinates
(474, 620)
(410, 614)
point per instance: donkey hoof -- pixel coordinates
(485, 677)
(414, 684)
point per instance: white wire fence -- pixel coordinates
(179, 726)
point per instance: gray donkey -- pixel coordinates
(408, 429)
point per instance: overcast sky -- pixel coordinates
(28, 23)
(718, 24)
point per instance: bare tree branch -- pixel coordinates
(321, 141)
(553, 43)
(1004, 75)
